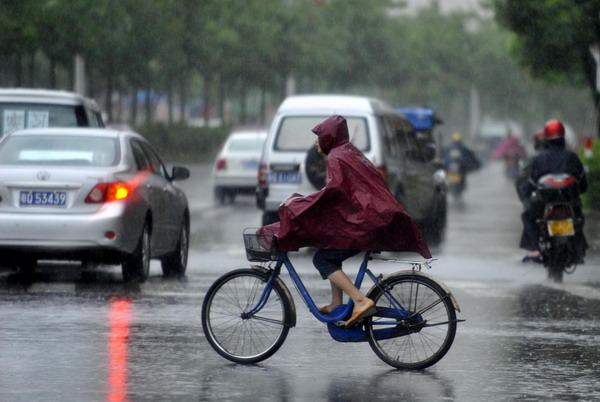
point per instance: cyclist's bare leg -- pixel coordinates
(341, 281)
(336, 298)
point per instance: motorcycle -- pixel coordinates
(561, 240)
(455, 179)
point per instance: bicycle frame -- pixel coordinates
(284, 260)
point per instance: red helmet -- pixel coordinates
(554, 129)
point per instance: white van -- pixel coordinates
(290, 164)
(22, 108)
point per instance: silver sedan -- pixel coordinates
(91, 195)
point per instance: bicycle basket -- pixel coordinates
(260, 247)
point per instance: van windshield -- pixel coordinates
(294, 133)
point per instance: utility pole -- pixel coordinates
(79, 84)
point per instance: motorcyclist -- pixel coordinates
(512, 152)
(555, 159)
(457, 152)
(539, 144)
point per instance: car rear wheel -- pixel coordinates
(136, 268)
(175, 263)
(219, 194)
(224, 196)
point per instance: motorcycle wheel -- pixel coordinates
(555, 273)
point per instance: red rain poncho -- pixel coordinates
(354, 211)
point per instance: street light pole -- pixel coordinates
(79, 84)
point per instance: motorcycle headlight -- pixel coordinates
(439, 177)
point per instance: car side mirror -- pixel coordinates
(180, 173)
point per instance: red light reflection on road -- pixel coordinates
(119, 318)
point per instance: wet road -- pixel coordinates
(70, 336)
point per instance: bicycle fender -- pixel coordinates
(292, 320)
(430, 277)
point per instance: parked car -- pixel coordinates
(91, 195)
(39, 108)
(236, 168)
(290, 163)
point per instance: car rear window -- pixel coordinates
(59, 150)
(242, 144)
(18, 116)
(295, 133)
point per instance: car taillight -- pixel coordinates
(221, 164)
(262, 176)
(107, 192)
(383, 170)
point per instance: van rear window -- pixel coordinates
(18, 116)
(294, 133)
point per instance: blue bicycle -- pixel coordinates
(247, 313)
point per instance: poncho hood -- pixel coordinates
(354, 211)
(332, 133)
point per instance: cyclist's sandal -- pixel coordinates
(368, 310)
(324, 310)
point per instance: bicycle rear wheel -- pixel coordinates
(421, 339)
(230, 331)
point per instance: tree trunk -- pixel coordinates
(148, 105)
(263, 106)
(18, 71)
(109, 92)
(32, 70)
(170, 101)
(243, 106)
(134, 106)
(207, 101)
(52, 72)
(182, 98)
(222, 113)
(120, 106)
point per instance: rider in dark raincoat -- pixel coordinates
(354, 212)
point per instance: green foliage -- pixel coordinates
(552, 37)
(591, 199)
(184, 144)
(227, 51)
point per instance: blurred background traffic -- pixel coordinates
(489, 68)
(186, 73)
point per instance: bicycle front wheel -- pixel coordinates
(420, 337)
(237, 335)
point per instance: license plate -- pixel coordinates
(453, 177)
(43, 198)
(285, 177)
(561, 228)
(250, 165)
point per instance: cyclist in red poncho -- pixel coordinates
(354, 212)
